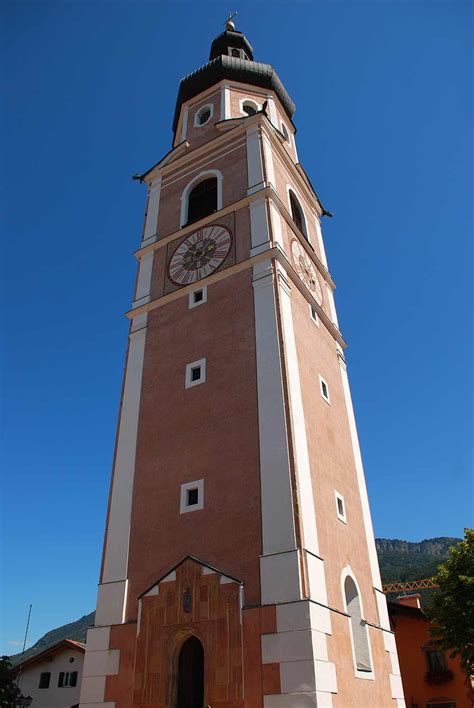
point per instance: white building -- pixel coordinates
(53, 677)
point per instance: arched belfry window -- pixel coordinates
(250, 108)
(191, 674)
(297, 214)
(360, 639)
(202, 199)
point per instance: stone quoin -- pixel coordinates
(239, 565)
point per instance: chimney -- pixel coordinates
(410, 600)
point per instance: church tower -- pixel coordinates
(239, 566)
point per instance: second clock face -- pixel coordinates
(199, 254)
(306, 271)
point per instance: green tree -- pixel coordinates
(9, 691)
(452, 608)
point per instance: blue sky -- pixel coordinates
(383, 94)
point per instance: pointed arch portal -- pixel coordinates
(191, 674)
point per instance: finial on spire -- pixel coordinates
(229, 25)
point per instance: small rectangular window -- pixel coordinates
(192, 496)
(198, 297)
(61, 679)
(45, 678)
(324, 390)
(340, 507)
(437, 662)
(195, 373)
(314, 315)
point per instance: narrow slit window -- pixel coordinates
(324, 389)
(314, 314)
(340, 507)
(193, 497)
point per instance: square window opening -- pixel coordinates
(195, 373)
(191, 496)
(198, 297)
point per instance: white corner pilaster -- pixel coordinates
(381, 602)
(117, 538)
(184, 123)
(277, 507)
(260, 233)
(299, 646)
(303, 471)
(319, 236)
(151, 221)
(369, 531)
(268, 159)
(332, 306)
(145, 267)
(225, 103)
(272, 111)
(254, 160)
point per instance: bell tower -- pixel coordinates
(239, 565)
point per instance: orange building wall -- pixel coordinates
(412, 634)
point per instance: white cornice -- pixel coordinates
(266, 191)
(188, 156)
(202, 222)
(272, 253)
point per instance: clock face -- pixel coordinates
(199, 254)
(306, 271)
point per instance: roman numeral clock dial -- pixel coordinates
(306, 271)
(199, 255)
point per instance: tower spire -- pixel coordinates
(229, 24)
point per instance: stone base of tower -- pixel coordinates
(297, 651)
(285, 655)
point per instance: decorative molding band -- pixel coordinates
(235, 206)
(237, 268)
(265, 191)
(268, 129)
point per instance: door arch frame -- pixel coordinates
(173, 665)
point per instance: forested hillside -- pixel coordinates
(403, 560)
